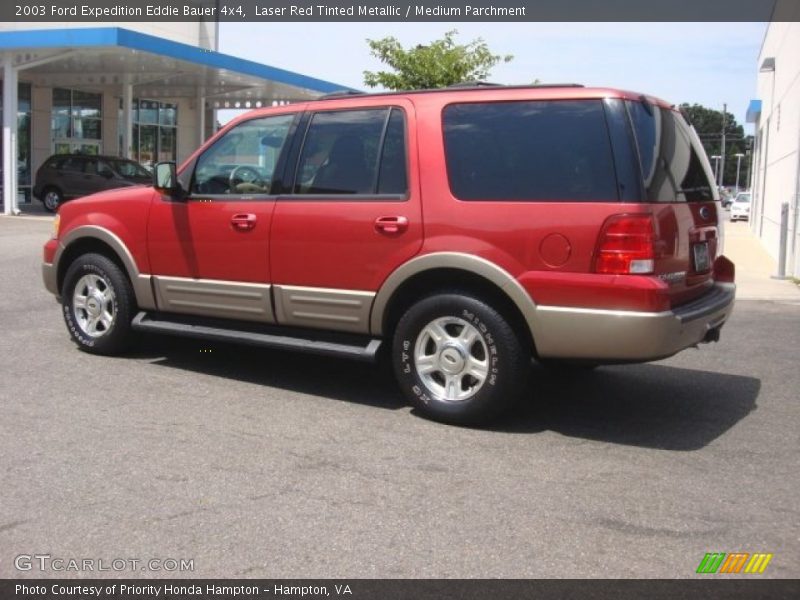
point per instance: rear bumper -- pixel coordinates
(630, 336)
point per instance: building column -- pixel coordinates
(9, 137)
(127, 118)
(201, 115)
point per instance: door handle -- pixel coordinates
(243, 221)
(391, 225)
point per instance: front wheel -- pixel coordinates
(98, 304)
(457, 359)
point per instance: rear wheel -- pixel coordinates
(98, 304)
(52, 198)
(457, 359)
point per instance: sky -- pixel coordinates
(706, 63)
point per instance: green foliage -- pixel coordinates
(708, 123)
(438, 64)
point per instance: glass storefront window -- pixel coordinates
(154, 134)
(76, 121)
(166, 144)
(148, 112)
(148, 137)
(168, 115)
(62, 103)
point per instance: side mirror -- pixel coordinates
(107, 174)
(165, 178)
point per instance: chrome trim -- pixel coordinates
(323, 308)
(214, 298)
(452, 260)
(141, 282)
(618, 335)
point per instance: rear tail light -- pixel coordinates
(626, 246)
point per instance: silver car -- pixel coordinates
(740, 209)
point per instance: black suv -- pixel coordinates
(66, 176)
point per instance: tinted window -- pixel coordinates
(73, 164)
(353, 152)
(103, 168)
(538, 150)
(674, 165)
(128, 168)
(392, 174)
(243, 160)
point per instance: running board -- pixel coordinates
(328, 345)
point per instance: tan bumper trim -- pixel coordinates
(564, 332)
(50, 277)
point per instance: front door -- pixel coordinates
(209, 251)
(351, 215)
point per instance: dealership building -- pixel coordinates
(146, 91)
(776, 159)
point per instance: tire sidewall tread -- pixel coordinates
(508, 363)
(117, 339)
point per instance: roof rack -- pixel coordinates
(473, 84)
(341, 94)
(557, 85)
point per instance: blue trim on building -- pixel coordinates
(753, 111)
(133, 40)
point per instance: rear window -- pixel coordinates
(674, 164)
(534, 150)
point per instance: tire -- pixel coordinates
(98, 305)
(436, 344)
(52, 198)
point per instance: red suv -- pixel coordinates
(467, 230)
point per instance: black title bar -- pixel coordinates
(394, 589)
(121, 11)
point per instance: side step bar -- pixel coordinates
(163, 324)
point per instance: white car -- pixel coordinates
(740, 209)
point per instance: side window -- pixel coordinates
(243, 160)
(353, 152)
(90, 166)
(104, 169)
(555, 150)
(673, 161)
(73, 165)
(392, 177)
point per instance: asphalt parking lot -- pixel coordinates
(265, 464)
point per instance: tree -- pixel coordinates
(708, 123)
(438, 64)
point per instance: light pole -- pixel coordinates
(716, 159)
(722, 152)
(738, 156)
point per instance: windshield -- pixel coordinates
(130, 169)
(743, 198)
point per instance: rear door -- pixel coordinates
(349, 216)
(70, 177)
(680, 185)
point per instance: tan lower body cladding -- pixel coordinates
(316, 308)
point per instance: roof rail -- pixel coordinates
(557, 85)
(341, 94)
(473, 84)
